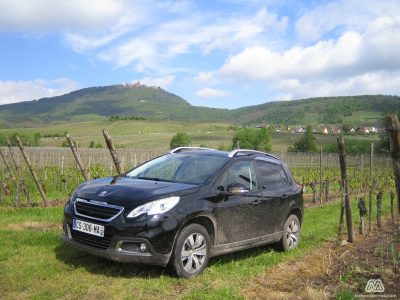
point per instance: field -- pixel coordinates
(156, 135)
(34, 264)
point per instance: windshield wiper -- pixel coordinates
(151, 178)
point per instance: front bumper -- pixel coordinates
(122, 241)
(117, 249)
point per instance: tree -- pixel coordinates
(180, 139)
(251, 138)
(307, 143)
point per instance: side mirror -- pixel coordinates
(237, 189)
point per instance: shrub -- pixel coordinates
(353, 147)
(251, 138)
(307, 143)
(180, 139)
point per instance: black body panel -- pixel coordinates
(235, 221)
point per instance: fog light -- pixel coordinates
(143, 248)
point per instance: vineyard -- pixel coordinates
(59, 174)
(58, 271)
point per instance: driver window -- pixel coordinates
(241, 172)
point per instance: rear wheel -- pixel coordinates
(191, 251)
(291, 233)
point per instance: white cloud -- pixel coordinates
(163, 82)
(355, 63)
(351, 54)
(85, 25)
(17, 91)
(53, 15)
(203, 77)
(212, 93)
(197, 33)
(343, 15)
(385, 83)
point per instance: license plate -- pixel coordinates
(87, 227)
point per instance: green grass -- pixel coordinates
(363, 117)
(132, 134)
(34, 264)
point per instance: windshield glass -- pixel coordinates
(180, 167)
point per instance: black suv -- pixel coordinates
(184, 207)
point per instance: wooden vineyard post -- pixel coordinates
(340, 229)
(34, 176)
(77, 158)
(314, 191)
(379, 209)
(393, 130)
(363, 211)
(327, 189)
(391, 205)
(320, 176)
(8, 168)
(21, 182)
(371, 162)
(113, 152)
(371, 192)
(347, 204)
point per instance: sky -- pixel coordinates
(220, 53)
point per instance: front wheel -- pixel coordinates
(191, 251)
(291, 233)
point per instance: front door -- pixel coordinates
(238, 215)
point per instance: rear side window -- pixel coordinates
(270, 175)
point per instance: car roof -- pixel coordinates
(232, 154)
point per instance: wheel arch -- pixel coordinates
(298, 213)
(204, 220)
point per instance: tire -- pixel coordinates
(291, 234)
(191, 251)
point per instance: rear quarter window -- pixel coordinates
(270, 175)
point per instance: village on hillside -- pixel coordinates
(332, 130)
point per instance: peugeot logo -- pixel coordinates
(103, 193)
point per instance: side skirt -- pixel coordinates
(246, 244)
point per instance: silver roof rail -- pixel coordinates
(249, 151)
(179, 149)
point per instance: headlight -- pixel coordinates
(154, 207)
(72, 199)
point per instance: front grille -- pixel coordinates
(97, 210)
(91, 240)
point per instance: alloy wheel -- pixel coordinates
(292, 234)
(194, 252)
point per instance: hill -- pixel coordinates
(98, 103)
(352, 110)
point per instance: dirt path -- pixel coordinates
(332, 271)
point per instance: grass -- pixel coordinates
(132, 134)
(34, 264)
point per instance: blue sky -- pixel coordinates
(212, 53)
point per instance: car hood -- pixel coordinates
(131, 192)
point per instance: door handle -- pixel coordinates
(255, 202)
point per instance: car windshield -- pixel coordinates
(180, 167)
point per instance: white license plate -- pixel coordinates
(87, 227)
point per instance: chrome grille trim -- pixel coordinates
(101, 204)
